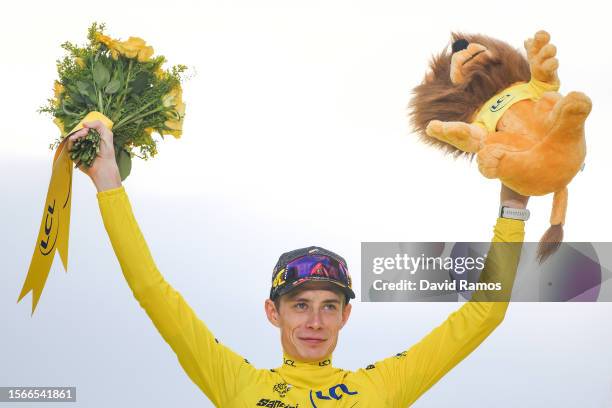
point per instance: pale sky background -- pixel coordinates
(309, 93)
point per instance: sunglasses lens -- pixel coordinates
(317, 266)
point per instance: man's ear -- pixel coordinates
(272, 313)
(346, 312)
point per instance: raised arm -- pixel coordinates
(216, 370)
(409, 374)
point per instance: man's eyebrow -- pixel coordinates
(305, 300)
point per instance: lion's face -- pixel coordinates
(463, 59)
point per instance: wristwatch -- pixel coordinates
(514, 213)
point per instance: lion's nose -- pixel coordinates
(460, 44)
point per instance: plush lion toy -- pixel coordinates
(485, 98)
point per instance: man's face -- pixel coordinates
(309, 320)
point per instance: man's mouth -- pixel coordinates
(312, 340)
(473, 56)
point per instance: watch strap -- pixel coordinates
(514, 213)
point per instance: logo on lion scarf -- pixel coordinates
(55, 222)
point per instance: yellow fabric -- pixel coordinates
(231, 381)
(492, 111)
(55, 222)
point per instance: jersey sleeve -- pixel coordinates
(407, 375)
(213, 367)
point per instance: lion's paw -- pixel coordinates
(488, 160)
(541, 55)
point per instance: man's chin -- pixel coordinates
(313, 352)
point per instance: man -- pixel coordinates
(309, 303)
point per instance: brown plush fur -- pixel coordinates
(437, 98)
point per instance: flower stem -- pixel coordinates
(122, 97)
(133, 118)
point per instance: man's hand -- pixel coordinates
(511, 198)
(104, 171)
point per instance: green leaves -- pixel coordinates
(86, 89)
(124, 162)
(113, 86)
(140, 82)
(83, 87)
(101, 74)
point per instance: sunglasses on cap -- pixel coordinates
(309, 268)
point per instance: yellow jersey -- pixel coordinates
(229, 380)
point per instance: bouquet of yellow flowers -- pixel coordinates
(123, 81)
(123, 85)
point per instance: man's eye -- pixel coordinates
(331, 307)
(300, 306)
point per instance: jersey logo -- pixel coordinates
(324, 363)
(264, 402)
(334, 393)
(501, 102)
(282, 389)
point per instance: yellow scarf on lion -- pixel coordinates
(493, 109)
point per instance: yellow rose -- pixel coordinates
(110, 44)
(175, 128)
(58, 89)
(145, 53)
(105, 39)
(134, 47)
(174, 97)
(176, 113)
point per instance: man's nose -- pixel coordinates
(314, 320)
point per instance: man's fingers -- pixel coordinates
(96, 124)
(76, 135)
(103, 130)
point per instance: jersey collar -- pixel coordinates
(308, 374)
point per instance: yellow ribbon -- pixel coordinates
(55, 222)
